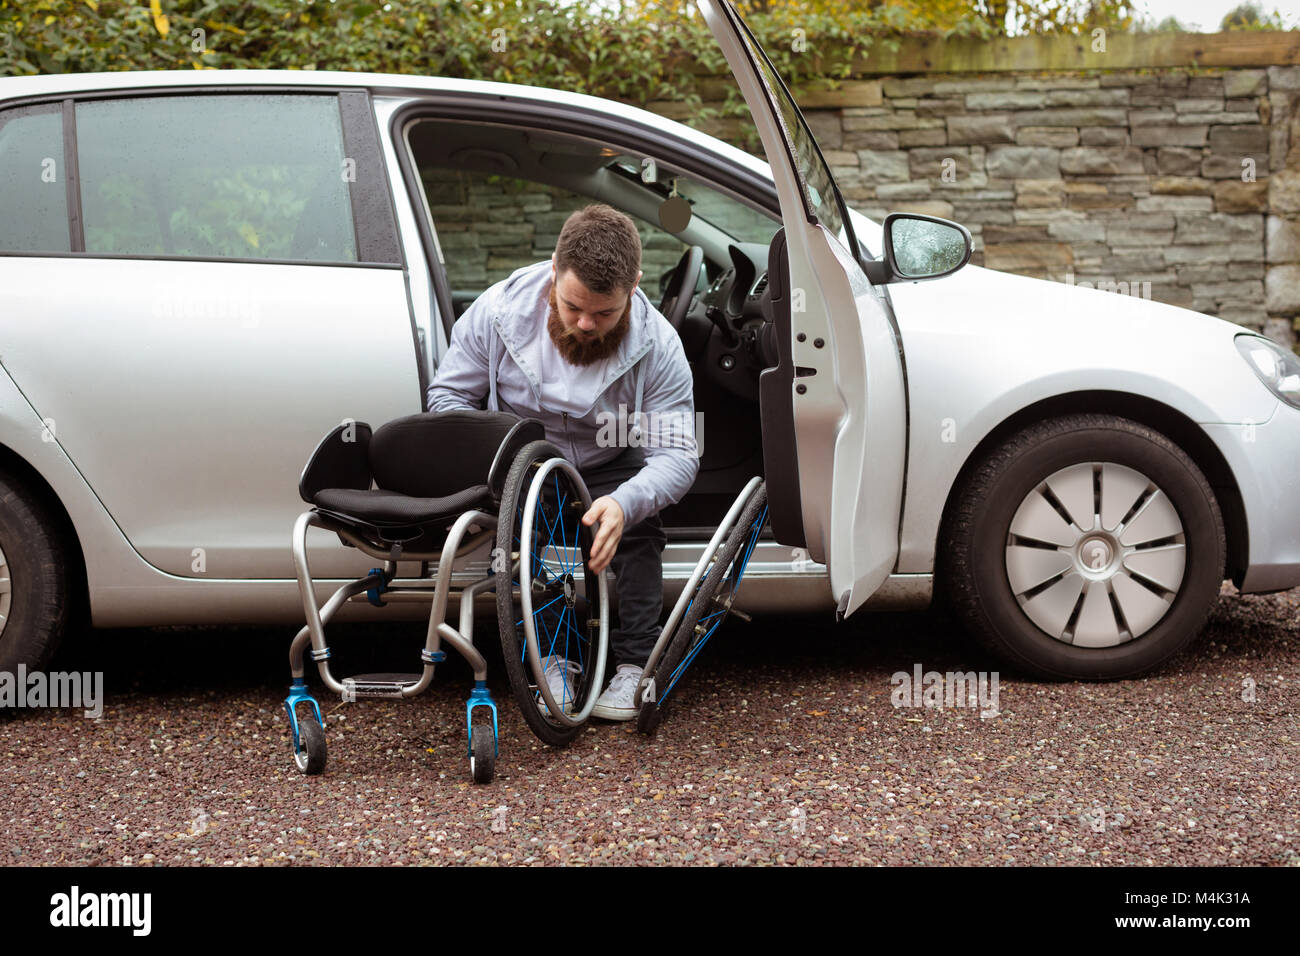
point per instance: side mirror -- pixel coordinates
(920, 247)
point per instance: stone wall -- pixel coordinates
(1171, 185)
(1182, 184)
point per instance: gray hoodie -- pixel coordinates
(645, 400)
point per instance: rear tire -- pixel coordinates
(1154, 614)
(702, 617)
(35, 602)
(548, 728)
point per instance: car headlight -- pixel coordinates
(1277, 368)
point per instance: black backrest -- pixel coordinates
(436, 454)
(341, 460)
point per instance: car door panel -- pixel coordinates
(850, 446)
(190, 394)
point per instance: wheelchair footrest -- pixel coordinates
(377, 685)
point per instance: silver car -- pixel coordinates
(202, 273)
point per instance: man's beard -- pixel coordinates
(577, 348)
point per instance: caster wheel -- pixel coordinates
(310, 759)
(483, 762)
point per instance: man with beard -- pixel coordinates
(575, 343)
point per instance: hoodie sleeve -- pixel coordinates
(462, 377)
(668, 436)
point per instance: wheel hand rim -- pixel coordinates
(571, 710)
(1095, 554)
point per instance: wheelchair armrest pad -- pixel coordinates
(525, 431)
(341, 460)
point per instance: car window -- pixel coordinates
(499, 195)
(251, 176)
(820, 194)
(739, 221)
(489, 225)
(33, 186)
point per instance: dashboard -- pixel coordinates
(727, 332)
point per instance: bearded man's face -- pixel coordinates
(584, 325)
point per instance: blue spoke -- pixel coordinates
(539, 618)
(734, 575)
(550, 650)
(536, 612)
(540, 515)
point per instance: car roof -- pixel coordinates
(394, 84)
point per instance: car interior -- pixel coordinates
(499, 195)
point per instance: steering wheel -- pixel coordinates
(681, 286)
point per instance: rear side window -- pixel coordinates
(33, 185)
(257, 176)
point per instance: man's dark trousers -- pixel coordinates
(638, 566)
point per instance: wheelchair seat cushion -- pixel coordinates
(438, 454)
(393, 509)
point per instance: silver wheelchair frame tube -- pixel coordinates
(684, 599)
(526, 597)
(313, 631)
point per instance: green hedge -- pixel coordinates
(658, 51)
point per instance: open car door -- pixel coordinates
(846, 389)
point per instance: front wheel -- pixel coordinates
(310, 758)
(1087, 547)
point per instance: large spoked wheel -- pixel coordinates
(1087, 547)
(709, 607)
(550, 605)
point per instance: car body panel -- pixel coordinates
(958, 367)
(1018, 341)
(222, 343)
(1264, 459)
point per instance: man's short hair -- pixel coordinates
(601, 247)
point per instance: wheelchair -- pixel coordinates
(444, 487)
(706, 601)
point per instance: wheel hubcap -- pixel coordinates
(6, 591)
(1095, 554)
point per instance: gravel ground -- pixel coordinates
(783, 748)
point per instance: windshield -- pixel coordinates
(820, 195)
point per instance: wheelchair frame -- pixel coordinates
(459, 543)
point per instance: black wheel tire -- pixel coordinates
(512, 637)
(651, 713)
(311, 759)
(484, 762)
(35, 564)
(973, 556)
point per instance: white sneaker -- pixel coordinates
(619, 700)
(559, 674)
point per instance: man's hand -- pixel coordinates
(610, 515)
